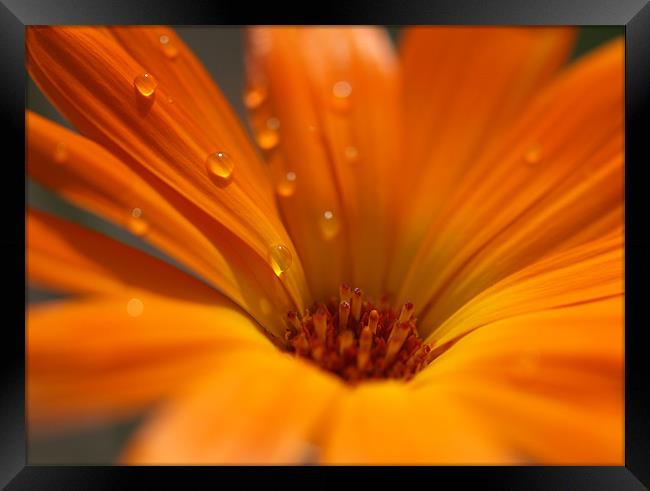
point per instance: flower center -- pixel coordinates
(357, 339)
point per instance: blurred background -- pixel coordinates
(221, 51)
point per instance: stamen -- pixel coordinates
(320, 323)
(396, 340)
(365, 343)
(344, 313)
(407, 311)
(345, 292)
(357, 339)
(373, 319)
(294, 321)
(357, 298)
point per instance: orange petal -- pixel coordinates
(98, 359)
(584, 273)
(386, 423)
(163, 53)
(254, 408)
(549, 384)
(91, 177)
(93, 80)
(554, 180)
(461, 87)
(329, 96)
(65, 257)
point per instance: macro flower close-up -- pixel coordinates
(408, 253)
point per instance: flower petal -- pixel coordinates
(554, 180)
(91, 78)
(63, 256)
(582, 274)
(549, 384)
(332, 93)
(91, 177)
(461, 87)
(386, 423)
(254, 408)
(97, 359)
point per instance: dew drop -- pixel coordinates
(254, 97)
(280, 258)
(169, 48)
(136, 223)
(268, 138)
(273, 123)
(329, 225)
(287, 185)
(265, 306)
(533, 155)
(145, 84)
(134, 307)
(351, 153)
(220, 166)
(60, 153)
(341, 91)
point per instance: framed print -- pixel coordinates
(385, 242)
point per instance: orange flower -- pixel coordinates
(473, 175)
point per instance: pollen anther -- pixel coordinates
(357, 339)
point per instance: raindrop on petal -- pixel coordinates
(267, 138)
(280, 258)
(287, 185)
(136, 223)
(329, 225)
(220, 166)
(341, 91)
(169, 49)
(134, 307)
(254, 97)
(351, 153)
(60, 153)
(145, 84)
(533, 155)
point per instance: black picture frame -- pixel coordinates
(634, 15)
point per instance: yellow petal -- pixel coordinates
(253, 408)
(65, 257)
(513, 207)
(97, 359)
(330, 97)
(461, 87)
(549, 384)
(88, 175)
(386, 423)
(94, 82)
(584, 273)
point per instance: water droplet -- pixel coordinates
(220, 166)
(329, 225)
(287, 184)
(351, 153)
(341, 95)
(273, 123)
(265, 306)
(136, 223)
(254, 97)
(145, 84)
(533, 155)
(169, 48)
(134, 307)
(60, 153)
(268, 138)
(280, 258)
